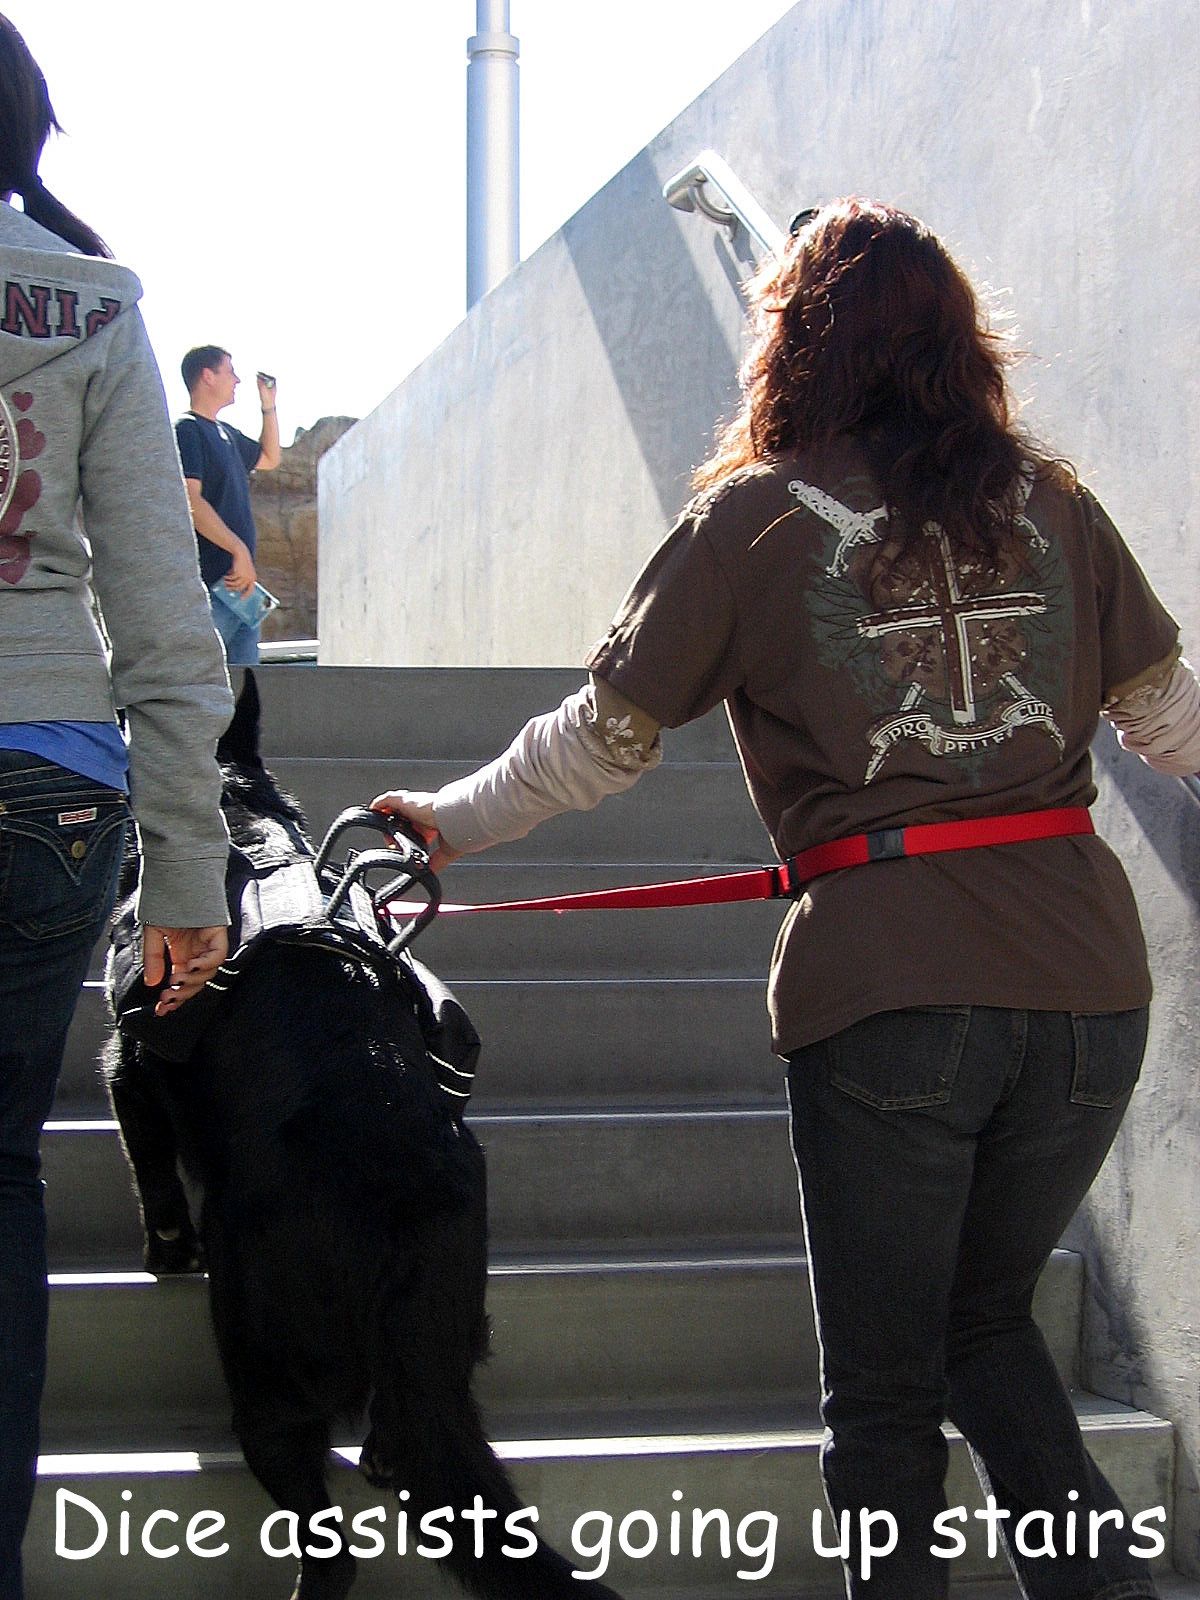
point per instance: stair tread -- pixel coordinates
(665, 1431)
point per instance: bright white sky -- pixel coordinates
(287, 177)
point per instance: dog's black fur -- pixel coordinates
(343, 1220)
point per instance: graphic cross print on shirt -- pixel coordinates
(952, 615)
(965, 647)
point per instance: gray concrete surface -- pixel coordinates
(579, 1344)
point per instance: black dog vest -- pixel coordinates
(274, 896)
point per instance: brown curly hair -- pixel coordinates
(863, 325)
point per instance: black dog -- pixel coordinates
(343, 1217)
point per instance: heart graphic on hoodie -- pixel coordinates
(26, 494)
(22, 401)
(30, 442)
(14, 558)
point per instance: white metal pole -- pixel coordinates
(493, 188)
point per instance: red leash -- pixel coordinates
(789, 877)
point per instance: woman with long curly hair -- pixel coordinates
(915, 616)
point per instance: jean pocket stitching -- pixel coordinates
(1080, 1094)
(947, 1077)
(42, 928)
(53, 838)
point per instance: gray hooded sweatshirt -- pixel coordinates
(93, 509)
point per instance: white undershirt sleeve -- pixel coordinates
(1160, 721)
(595, 744)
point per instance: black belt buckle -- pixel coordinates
(885, 844)
(789, 885)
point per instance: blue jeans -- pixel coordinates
(61, 840)
(941, 1154)
(238, 637)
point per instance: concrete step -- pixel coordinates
(696, 811)
(431, 713)
(576, 1343)
(570, 1043)
(575, 1484)
(652, 1179)
(1168, 1585)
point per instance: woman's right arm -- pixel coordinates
(597, 743)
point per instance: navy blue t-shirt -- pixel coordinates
(222, 459)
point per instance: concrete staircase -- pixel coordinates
(654, 1352)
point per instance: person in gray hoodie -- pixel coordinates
(101, 606)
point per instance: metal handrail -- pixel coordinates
(710, 186)
(288, 650)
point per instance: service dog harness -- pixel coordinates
(279, 893)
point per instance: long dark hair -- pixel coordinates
(26, 118)
(864, 325)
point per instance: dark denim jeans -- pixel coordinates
(941, 1154)
(61, 839)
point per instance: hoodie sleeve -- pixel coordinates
(168, 669)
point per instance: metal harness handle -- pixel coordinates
(414, 861)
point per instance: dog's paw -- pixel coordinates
(373, 1468)
(171, 1251)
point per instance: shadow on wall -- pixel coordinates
(1165, 811)
(1137, 1228)
(646, 291)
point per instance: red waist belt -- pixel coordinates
(932, 838)
(790, 876)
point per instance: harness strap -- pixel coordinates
(789, 878)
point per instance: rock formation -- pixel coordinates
(285, 515)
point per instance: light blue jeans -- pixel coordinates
(942, 1151)
(61, 841)
(239, 638)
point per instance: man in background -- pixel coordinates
(217, 462)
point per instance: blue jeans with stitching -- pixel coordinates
(61, 842)
(941, 1152)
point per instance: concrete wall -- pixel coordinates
(1139, 1229)
(494, 507)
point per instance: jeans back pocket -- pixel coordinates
(900, 1060)
(1109, 1046)
(60, 852)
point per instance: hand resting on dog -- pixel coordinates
(194, 955)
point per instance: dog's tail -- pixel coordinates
(427, 1442)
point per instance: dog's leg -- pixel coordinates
(426, 1435)
(286, 1452)
(284, 1439)
(171, 1244)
